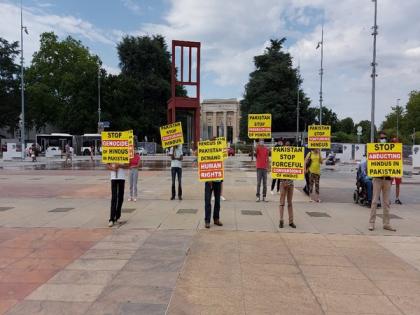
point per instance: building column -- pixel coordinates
(225, 124)
(234, 126)
(214, 125)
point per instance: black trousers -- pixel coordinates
(117, 189)
(176, 171)
(209, 188)
(273, 184)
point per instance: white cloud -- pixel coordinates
(233, 32)
(133, 6)
(111, 69)
(38, 22)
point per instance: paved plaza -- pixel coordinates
(59, 257)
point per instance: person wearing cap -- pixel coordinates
(381, 185)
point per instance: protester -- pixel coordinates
(213, 187)
(176, 169)
(134, 173)
(366, 180)
(397, 181)
(286, 191)
(314, 160)
(381, 184)
(262, 157)
(307, 174)
(274, 180)
(117, 190)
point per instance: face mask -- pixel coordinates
(382, 140)
(261, 142)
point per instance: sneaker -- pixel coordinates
(180, 198)
(292, 225)
(398, 202)
(371, 227)
(129, 199)
(111, 224)
(222, 198)
(258, 199)
(389, 228)
(265, 200)
(281, 224)
(135, 199)
(272, 192)
(172, 198)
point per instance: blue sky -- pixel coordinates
(233, 31)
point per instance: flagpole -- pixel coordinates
(22, 84)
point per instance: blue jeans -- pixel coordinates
(368, 184)
(134, 173)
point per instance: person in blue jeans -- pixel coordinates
(214, 187)
(177, 156)
(366, 180)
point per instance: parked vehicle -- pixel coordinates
(142, 151)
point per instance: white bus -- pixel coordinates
(91, 140)
(54, 144)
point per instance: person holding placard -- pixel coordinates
(262, 155)
(381, 185)
(176, 169)
(286, 191)
(117, 190)
(275, 180)
(314, 160)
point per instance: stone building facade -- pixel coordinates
(220, 118)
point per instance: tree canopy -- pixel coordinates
(9, 85)
(272, 88)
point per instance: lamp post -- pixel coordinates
(298, 105)
(22, 84)
(398, 117)
(373, 75)
(321, 72)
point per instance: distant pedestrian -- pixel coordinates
(381, 185)
(92, 152)
(134, 173)
(275, 180)
(262, 157)
(314, 160)
(286, 192)
(68, 153)
(397, 181)
(176, 169)
(117, 190)
(214, 188)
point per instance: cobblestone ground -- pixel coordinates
(58, 256)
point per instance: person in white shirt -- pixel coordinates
(117, 189)
(176, 169)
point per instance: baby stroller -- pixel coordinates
(360, 193)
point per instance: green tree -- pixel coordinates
(137, 98)
(365, 137)
(328, 117)
(9, 85)
(272, 88)
(346, 125)
(62, 85)
(412, 117)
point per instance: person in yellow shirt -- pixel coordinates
(313, 163)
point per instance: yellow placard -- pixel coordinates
(287, 163)
(131, 144)
(210, 160)
(171, 135)
(384, 160)
(225, 150)
(116, 146)
(319, 137)
(259, 126)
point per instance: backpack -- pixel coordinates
(308, 162)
